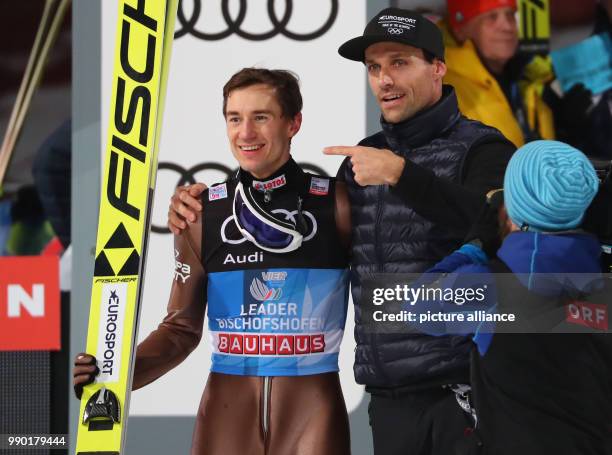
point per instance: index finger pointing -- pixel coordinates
(340, 150)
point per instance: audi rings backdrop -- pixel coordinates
(214, 39)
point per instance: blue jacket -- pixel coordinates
(566, 260)
(538, 393)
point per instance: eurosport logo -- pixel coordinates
(261, 292)
(288, 215)
(110, 332)
(188, 177)
(396, 25)
(189, 24)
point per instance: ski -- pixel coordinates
(145, 32)
(534, 26)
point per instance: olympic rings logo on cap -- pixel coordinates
(188, 25)
(395, 31)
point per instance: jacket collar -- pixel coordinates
(425, 125)
(540, 261)
(463, 59)
(289, 176)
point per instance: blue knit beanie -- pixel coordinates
(548, 186)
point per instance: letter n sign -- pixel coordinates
(29, 303)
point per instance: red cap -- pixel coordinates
(461, 11)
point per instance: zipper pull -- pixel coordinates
(267, 195)
(300, 225)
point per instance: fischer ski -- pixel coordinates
(145, 32)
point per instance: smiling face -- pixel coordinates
(495, 35)
(403, 82)
(258, 133)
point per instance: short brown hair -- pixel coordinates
(284, 82)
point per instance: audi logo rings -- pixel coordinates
(187, 177)
(289, 216)
(188, 25)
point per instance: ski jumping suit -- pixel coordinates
(276, 322)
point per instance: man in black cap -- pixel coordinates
(415, 188)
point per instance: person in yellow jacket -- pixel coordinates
(481, 40)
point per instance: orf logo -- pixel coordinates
(29, 303)
(592, 315)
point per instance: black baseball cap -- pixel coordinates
(399, 26)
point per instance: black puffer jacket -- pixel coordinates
(389, 236)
